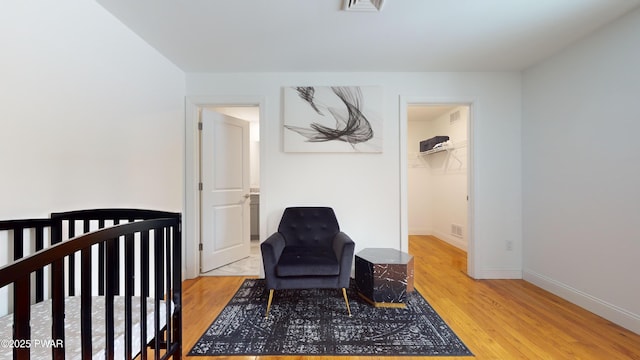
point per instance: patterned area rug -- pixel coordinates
(315, 322)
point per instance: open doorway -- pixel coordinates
(192, 217)
(438, 172)
(249, 263)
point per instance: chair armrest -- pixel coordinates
(344, 247)
(271, 250)
(341, 242)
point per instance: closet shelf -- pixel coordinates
(445, 147)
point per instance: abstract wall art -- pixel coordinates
(333, 119)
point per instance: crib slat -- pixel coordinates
(116, 263)
(177, 289)
(71, 261)
(101, 262)
(57, 293)
(158, 270)
(18, 243)
(108, 300)
(144, 263)
(21, 315)
(116, 267)
(85, 304)
(57, 306)
(128, 293)
(85, 293)
(167, 277)
(39, 272)
(144, 290)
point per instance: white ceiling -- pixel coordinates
(248, 113)
(427, 112)
(407, 35)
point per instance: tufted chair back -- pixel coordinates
(309, 226)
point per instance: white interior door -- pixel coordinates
(225, 236)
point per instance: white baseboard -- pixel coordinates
(419, 231)
(609, 311)
(499, 274)
(455, 241)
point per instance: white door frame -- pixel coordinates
(473, 243)
(191, 218)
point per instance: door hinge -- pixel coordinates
(200, 186)
(200, 126)
(200, 246)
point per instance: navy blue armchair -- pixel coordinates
(308, 251)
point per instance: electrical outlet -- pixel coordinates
(456, 230)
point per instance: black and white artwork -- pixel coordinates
(333, 119)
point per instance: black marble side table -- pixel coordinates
(384, 276)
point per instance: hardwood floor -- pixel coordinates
(496, 319)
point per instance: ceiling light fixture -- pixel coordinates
(363, 5)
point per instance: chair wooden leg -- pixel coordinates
(269, 302)
(346, 300)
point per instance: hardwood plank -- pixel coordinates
(496, 319)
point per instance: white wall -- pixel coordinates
(419, 181)
(90, 115)
(437, 182)
(254, 156)
(581, 172)
(365, 189)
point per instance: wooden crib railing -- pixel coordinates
(148, 241)
(36, 229)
